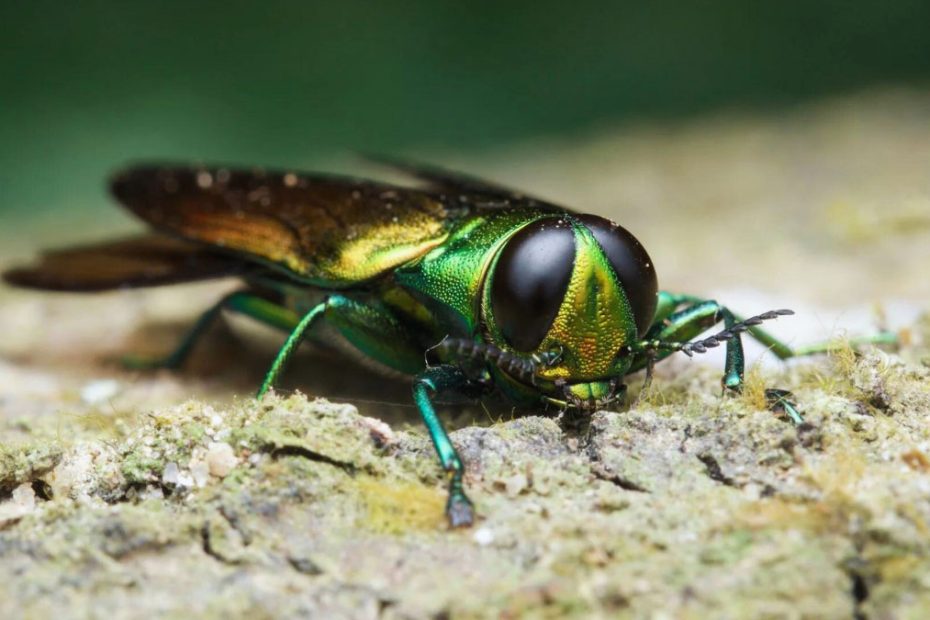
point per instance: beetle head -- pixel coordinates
(575, 291)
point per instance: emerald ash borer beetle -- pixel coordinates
(459, 283)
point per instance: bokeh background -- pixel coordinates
(768, 154)
(89, 85)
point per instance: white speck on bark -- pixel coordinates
(221, 459)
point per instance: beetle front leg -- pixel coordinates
(433, 380)
(376, 332)
(677, 316)
(369, 327)
(290, 345)
(687, 323)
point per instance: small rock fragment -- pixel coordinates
(381, 433)
(72, 473)
(220, 459)
(21, 504)
(200, 472)
(185, 480)
(152, 492)
(170, 474)
(514, 485)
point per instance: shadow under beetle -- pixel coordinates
(464, 285)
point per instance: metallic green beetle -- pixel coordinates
(462, 284)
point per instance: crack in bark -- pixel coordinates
(231, 518)
(206, 543)
(304, 565)
(291, 450)
(42, 489)
(235, 522)
(38, 466)
(859, 585)
(604, 473)
(713, 470)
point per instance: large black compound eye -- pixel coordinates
(632, 265)
(530, 280)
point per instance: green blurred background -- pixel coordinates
(88, 85)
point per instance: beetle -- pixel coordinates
(462, 284)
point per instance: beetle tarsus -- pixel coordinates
(459, 510)
(778, 401)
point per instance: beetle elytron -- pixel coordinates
(462, 284)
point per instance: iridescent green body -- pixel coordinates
(444, 294)
(463, 285)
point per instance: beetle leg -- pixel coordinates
(243, 302)
(672, 308)
(668, 303)
(376, 332)
(689, 322)
(431, 381)
(290, 345)
(735, 364)
(371, 328)
(682, 326)
(672, 329)
(784, 351)
(778, 401)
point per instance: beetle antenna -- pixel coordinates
(701, 346)
(515, 364)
